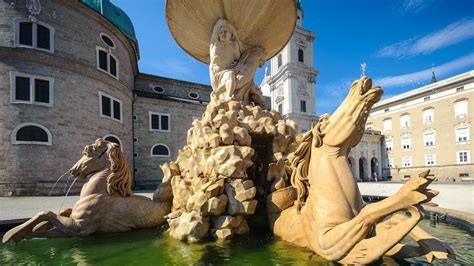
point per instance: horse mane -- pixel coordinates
(299, 162)
(120, 178)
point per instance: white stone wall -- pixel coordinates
(294, 81)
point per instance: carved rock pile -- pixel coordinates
(212, 190)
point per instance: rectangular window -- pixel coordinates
(303, 106)
(30, 89)
(430, 159)
(22, 89)
(462, 134)
(406, 161)
(280, 108)
(41, 91)
(429, 139)
(103, 60)
(159, 122)
(106, 62)
(113, 66)
(106, 106)
(406, 143)
(116, 110)
(460, 108)
(388, 145)
(428, 116)
(464, 156)
(43, 37)
(405, 121)
(110, 107)
(26, 33)
(165, 123)
(34, 35)
(387, 125)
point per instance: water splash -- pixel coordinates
(67, 193)
(51, 190)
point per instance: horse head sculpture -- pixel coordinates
(106, 203)
(331, 217)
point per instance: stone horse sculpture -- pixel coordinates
(330, 216)
(106, 202)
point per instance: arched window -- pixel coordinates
(112, 138)
(280, 60)
(301, 55)
(31, 133)
(160, 150)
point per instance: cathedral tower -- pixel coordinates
(291, 81)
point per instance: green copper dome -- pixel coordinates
(114, 14)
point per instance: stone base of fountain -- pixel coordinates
(234, 158)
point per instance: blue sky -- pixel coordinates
(398, 40)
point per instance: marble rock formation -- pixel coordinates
(218, 176)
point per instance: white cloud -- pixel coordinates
(452, 34)
(417, 78)
(414, 6)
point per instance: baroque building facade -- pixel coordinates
(292, 79)
(69, 75)
(429, 127)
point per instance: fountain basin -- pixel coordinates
(151, 246)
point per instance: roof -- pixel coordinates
(113, 14)
(430, 88)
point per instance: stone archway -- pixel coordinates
(374, 169)
(362, 169)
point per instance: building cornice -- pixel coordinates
(152, 77)
(292, 70)
(425, 90)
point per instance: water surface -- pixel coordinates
(154, 247)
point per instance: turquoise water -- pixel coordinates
(153, 247)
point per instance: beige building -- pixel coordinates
(429, 127)
(366, 159)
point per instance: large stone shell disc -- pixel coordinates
(267, 24)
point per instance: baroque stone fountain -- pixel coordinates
(242, 160)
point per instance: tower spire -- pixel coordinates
(433, 76)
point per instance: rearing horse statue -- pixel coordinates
(330, 216)
(106, 203)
